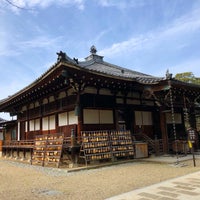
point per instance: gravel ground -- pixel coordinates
(26, 182)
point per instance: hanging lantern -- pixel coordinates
(77, 110)
(147, 92)
(65, 74)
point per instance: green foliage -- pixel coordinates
(187, 77)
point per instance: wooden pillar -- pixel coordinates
(1, 148)
(164, 131)
(28, 122)
(18, 130)
(116, 118)
(78, 89)
(12, 152)
(41, 115)
(80, 125)
(56, 114)
(24, 153)
(17, 153)
(79, 113)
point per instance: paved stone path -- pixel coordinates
(182, 188)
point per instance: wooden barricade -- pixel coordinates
(48, 149)
(101, 145)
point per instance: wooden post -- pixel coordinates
(24, 154)
(192, 151)
(194, 161)
(80, 126)
(17, 153)
(1, 148)
(163, 130)
(157, 149)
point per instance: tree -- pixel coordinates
(187, 77)
(16, 6)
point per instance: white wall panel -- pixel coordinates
(26, 126)
(62, 95)
(147, 118)
(31, 125)
(105, 92)
(45, 124)
(138, 118)
(91, 90)
(72, 118)
(133, 101)
(51, 99)
(94, 116)
(37, 124)
(90, 116)
(62, 119)
(106, 116)
(143, 118)
(52, 122)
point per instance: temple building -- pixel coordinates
(94, 95)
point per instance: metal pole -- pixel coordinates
(194, 161)
(192, 151)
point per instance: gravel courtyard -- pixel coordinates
(26, 182)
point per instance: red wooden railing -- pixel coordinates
(18, 144)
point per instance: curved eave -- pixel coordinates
(38, 84)
(185, 86)
(55, 71)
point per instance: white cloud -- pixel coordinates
(180, 27)
(111, 3)
(122, 4)
(187, 66)
(17, 5)
(6, 41)
(40, 42)
(14, 46)
(134, 43)
(187, 23)
(102, 34)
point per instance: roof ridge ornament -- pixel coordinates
(168, 75)
(93, 56)
(93, 49)
(61, 56)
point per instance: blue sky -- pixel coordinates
(148, 36)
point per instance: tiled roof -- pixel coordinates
(96, 63)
